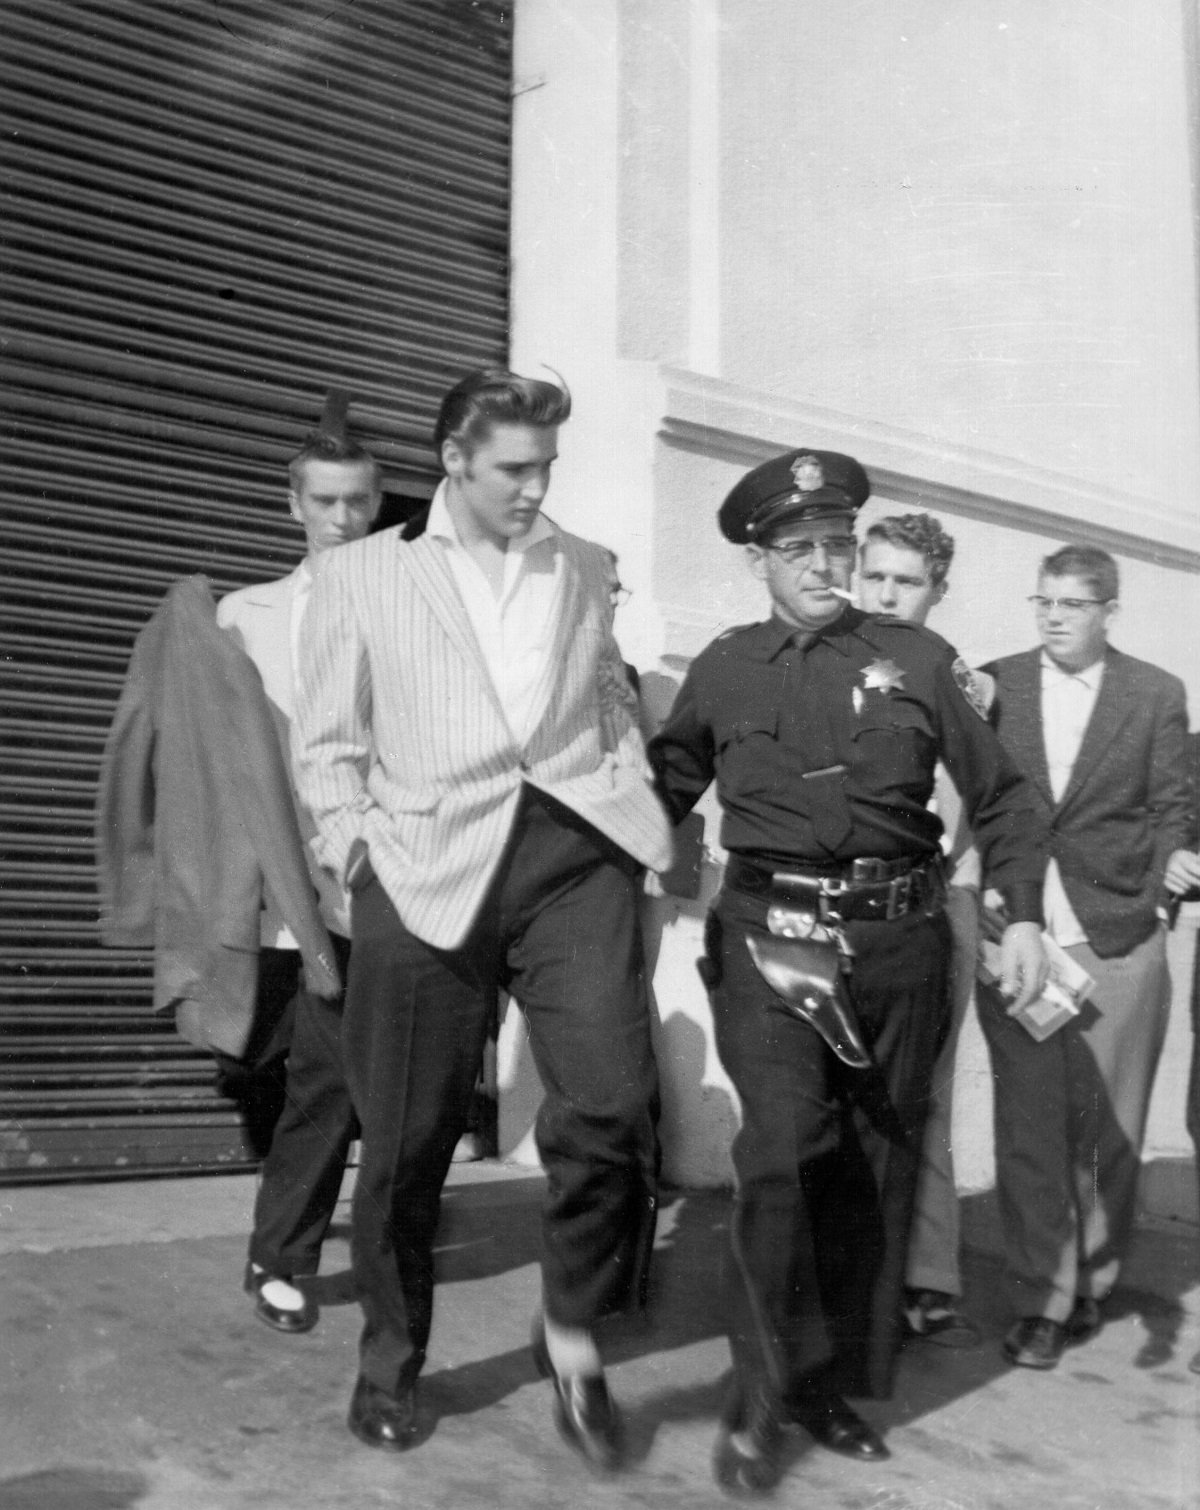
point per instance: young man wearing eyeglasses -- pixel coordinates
(1101, 737)
(822, 727)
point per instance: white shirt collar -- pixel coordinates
(1090, 676)
(441, 524)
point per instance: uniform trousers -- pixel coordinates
(1070, 1118)
(936, 1228)
(558, 929)
(827, 1156)
(302, 1172)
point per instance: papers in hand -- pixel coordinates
(1067, 987)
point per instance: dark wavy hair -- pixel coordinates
(493, 396)
(917, 532)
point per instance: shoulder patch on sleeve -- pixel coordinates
(971, 686)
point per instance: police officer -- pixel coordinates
(827, 950)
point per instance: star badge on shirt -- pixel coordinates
(884, 676)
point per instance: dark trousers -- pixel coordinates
(559, 929)
(256, 1082)
(827, 1157)
(302, 1172)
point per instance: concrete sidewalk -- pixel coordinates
(134, 1374)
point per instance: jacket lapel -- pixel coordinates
(1108, 716)
(283, 609)
(564, 619)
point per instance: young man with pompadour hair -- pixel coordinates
(468, 743)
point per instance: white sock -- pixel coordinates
(572, 1350)
(280, 1294)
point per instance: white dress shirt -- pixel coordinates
(1068, 698)
(301, 592)
(515, 629)
(281, 936)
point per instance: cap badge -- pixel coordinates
(808, 474)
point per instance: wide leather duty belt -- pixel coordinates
(863, 890)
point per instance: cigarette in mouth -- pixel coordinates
(840, 592)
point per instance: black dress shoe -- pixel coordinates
(584, 1412)
(1035, 1342)
(383, 1420)
(1084, 1321)
(748, 1456)
(832, 1423)
(283, 1319)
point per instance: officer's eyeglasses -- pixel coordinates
(801, 552)
(1073, 608)
(618, 596)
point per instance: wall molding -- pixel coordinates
(741, 426)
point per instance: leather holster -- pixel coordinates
(806, 975)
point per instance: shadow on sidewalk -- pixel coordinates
(73, 1489)
(142, 1364)
(686, 1309)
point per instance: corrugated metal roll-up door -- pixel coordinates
(212, 210)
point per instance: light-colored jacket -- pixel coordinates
(260, 620)
(400, 738)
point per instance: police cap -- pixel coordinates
(795, 486)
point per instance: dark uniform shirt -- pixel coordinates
(824, 746)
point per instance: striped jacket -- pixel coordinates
(400, 739)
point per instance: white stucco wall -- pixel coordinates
(957, 241)
(975, 221)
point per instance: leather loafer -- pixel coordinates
(832, 1423)
(1035, 1342)
(1084, 1321)
(383, 1420)
(584, 1411)
(748, 1456)
(283, 1319)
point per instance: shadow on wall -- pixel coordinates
(699, 1111)
(699, 1118)
(1169, 1190)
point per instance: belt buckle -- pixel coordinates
(899, 896)
(830, 888)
